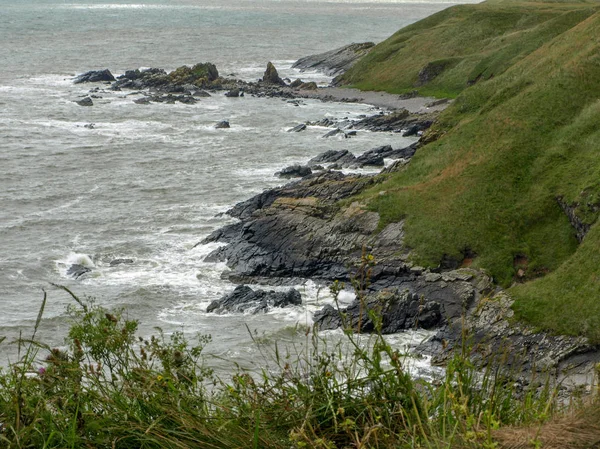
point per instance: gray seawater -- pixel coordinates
(148, 182)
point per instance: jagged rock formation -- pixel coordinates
(334, 62)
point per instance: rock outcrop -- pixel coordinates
(271, 76)
(77, 270)
(334, 62)
(94, 76)
(245, 300)
(294, 171)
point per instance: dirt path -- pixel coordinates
(380, 99)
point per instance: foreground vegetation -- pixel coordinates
(108, 388)
(511, 158)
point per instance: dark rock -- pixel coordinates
(89, 125)
(143, 100)
(94, 76)
(234, 93)
(87, 101)
(116, 262)
(200, 74)
(369, 159)
(398, 310)
(201, 93)
(297, 128)
(412, 131)
(334, 62)
(244, 299)
(223, 124)
(309, 86)
(376, 155)
(296, 83)
(77, 270)
(335, 132)
(343, 157)
(271, 76)
(294, 171)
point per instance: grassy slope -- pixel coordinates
(510, 146)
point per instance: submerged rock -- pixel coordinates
(297, 128)
(116, 262)
(77, 270)
(244, 299)
(87, 101)
(223, 124)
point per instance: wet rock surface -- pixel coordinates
(294, 171)
(244, 299)
(77, 270)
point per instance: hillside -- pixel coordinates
(510, 181)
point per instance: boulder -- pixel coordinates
(297, 128)
(309, 86)
(244, 299)
(223, 124)
(294, 171)
(87, 101)
(233, 93)
(296, 83)
(271, 76)
(343, 157)
(94, 76)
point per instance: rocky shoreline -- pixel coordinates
(300, 231)
(304, 230)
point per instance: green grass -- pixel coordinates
(482, 41)
(508, 147)
(109, 388)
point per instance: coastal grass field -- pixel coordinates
(511, 158)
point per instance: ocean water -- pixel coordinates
(148, 182)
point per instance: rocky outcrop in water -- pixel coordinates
(334, 62)
(271, 76)
(77, 270)
(294, 171)
(94, 76)
(87, 101)
(244, 299)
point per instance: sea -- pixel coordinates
(88, 185)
